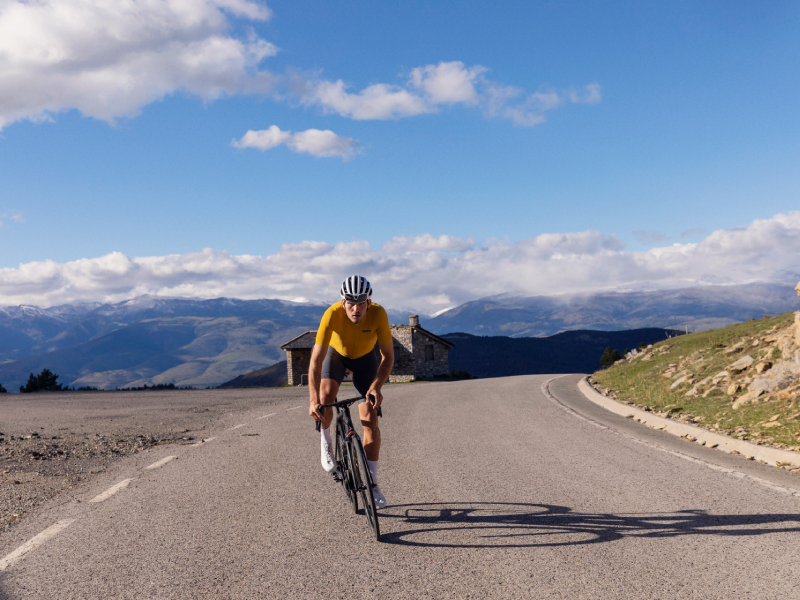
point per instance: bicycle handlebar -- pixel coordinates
(370, 398)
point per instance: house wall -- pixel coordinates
(298, 362)
(423, 367)
(404, 363)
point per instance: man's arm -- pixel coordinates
(384, 370)
(314, 379)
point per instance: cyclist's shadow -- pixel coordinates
(509, 524)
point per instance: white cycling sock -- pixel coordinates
(326, 435)
(373, 470)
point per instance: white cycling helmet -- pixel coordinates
(356, 289)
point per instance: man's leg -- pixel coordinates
(372, 433)
(328, 390)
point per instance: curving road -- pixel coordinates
(497, 488)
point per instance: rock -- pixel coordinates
(762, 367)
(797, 325)
(692, 392)
(732, 389)
(747, 398)
(775, 417)
(738, 347)
(708, 391)
(719, 377)
(741, 364)
(678, 381)
(771, 424)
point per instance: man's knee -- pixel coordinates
(369, 417)
(328, 390)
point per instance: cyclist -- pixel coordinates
(346, 339)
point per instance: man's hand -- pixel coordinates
(314, 412)
(373, 391)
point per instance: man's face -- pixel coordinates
(356, 312)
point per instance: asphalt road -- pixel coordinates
(495, 489)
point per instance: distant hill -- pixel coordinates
(569, 352)
(697, 308)
(274, 376)
(149, 340)
(188, 342)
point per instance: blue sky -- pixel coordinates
(650, 124)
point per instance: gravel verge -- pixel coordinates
(51, 442)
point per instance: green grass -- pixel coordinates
(644, 384)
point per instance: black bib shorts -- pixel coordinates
(364, 369)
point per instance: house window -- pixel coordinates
(429, 352)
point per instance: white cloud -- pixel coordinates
(423, 272)
(447, 83)
(377, 102)
(109, 59)
(312, 141)
(430, 86)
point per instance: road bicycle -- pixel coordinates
(351, 469)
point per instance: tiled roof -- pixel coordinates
(304, 340)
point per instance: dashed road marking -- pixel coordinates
(269, 415)
(205, 441)
(161, 462)
(111, 491)
(294, 408)
(33, 543)
(237, 426)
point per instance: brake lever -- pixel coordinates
(318, 424)
(371, 399)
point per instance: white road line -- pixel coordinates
(111, 491)
(269, 415)
(205, 441)
(236, 426)
(725, 470)
(32, 543)
(294, 408)
(161, 462)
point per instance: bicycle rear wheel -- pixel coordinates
(345, 463)
(364, 483)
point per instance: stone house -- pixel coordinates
(418, 354)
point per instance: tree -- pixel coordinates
(46, 381)
(2, 389)
(609, 357)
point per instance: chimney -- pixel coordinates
(413, 320)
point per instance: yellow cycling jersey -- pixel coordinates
(354, 340)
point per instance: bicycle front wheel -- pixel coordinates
(364, 483)
(345, 462)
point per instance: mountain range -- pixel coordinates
(695, 309)
(151, 340)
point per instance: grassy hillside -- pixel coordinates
(741, 380)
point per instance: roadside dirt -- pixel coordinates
(51, 442)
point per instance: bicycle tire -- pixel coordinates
(364, 482)
(344, 462)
